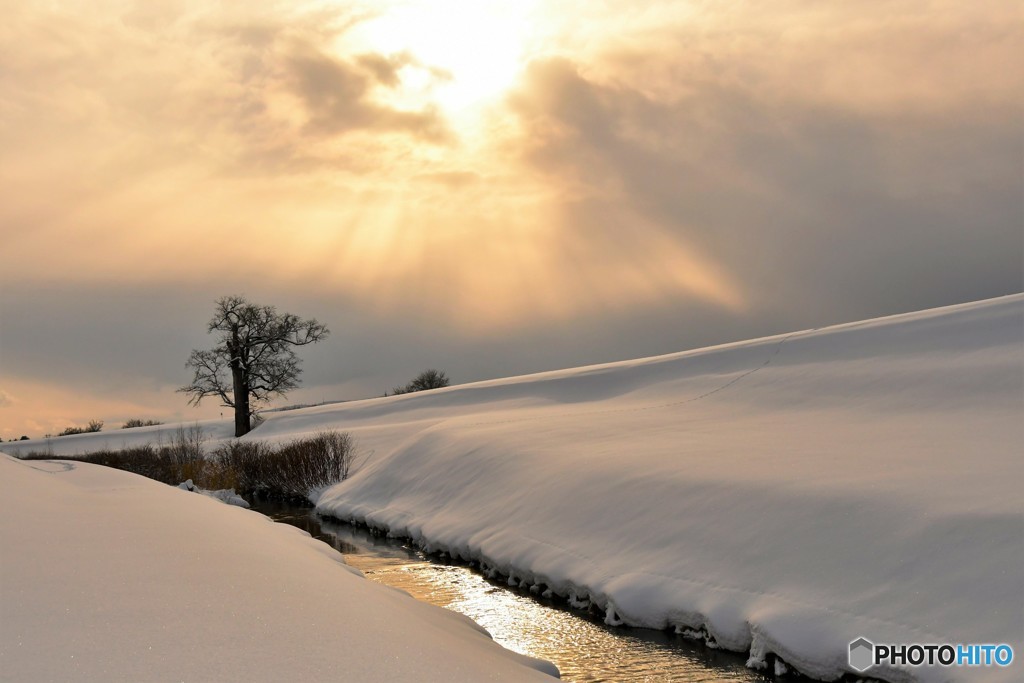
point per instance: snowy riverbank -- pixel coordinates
(784, 495)
(107, 576)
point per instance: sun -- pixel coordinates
(463, 54)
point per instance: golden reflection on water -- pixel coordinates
(584, 649)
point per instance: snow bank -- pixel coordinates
(784, 495)
(107, 576)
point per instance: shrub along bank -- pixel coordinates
(292, 471)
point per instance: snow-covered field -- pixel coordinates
(784, 495)
(107, 576)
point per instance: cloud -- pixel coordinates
(336, 92)
(808, 205)
(228, 90)
(665, 175)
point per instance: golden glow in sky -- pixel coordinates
(489, 169)
(466, 53)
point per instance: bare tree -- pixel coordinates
(256, 351)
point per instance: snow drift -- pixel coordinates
(107, 576)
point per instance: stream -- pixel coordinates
(582, 646)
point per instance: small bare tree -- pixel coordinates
(426, 380)
(256, 351)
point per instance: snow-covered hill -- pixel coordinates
(784, 495)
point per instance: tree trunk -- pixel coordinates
(241, 396)
(239, 385)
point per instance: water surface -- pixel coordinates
(583, 647)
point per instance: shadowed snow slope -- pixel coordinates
(107, 576)
(788, 494)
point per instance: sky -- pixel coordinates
(485, 187)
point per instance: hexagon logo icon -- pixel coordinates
(862, 654)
